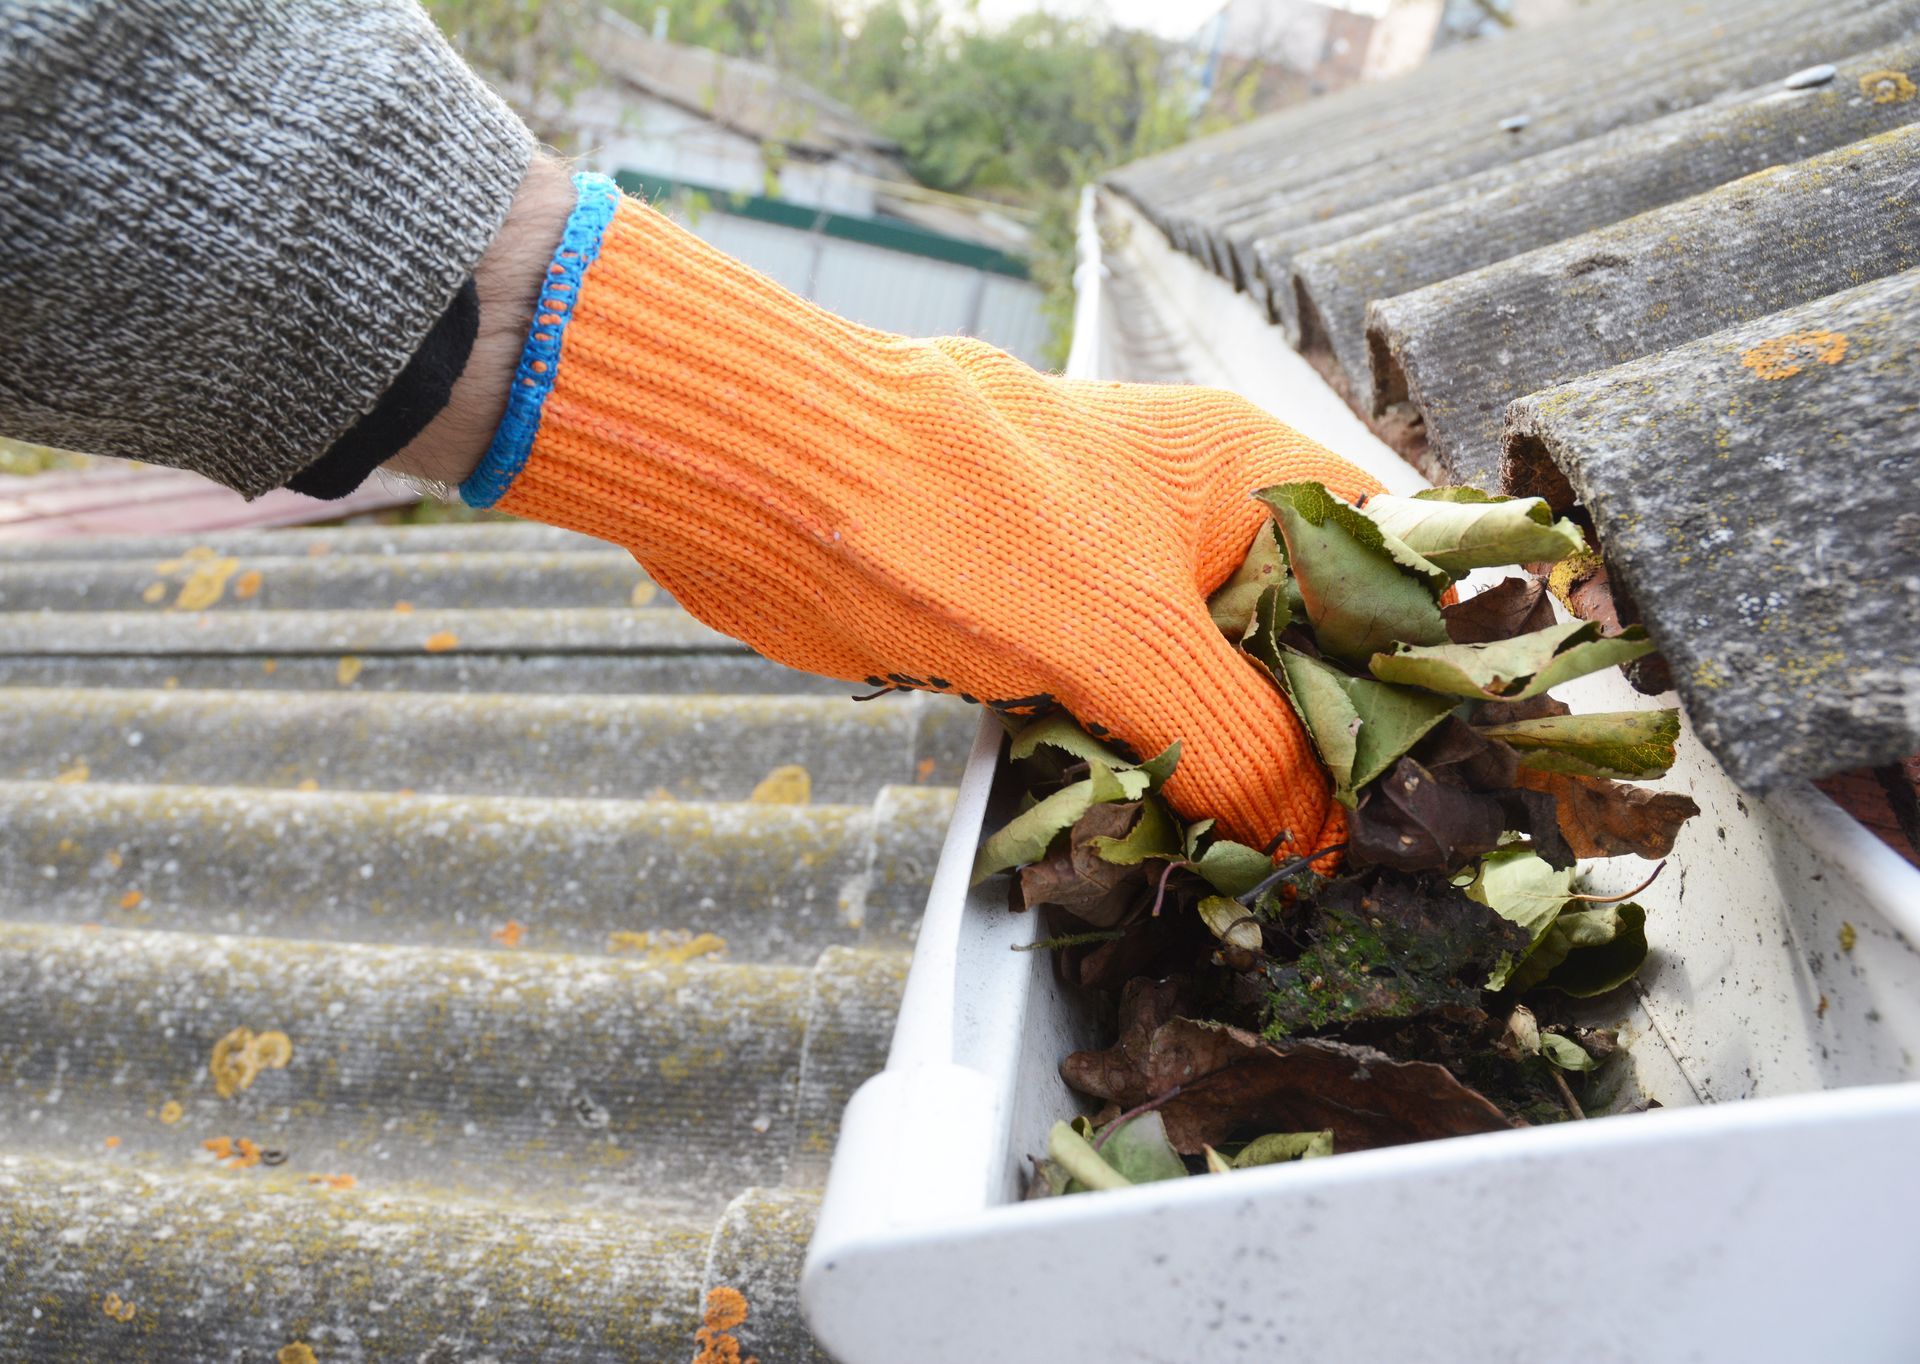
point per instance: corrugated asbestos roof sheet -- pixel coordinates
(1659, 259)
(450, 810)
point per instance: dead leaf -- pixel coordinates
(1412, 820)
(1600, 818)
(1233, 1084)
(1512, 606)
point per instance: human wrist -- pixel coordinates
(507, 282)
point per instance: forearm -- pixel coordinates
(226, 227)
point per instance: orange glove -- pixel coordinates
(926, 514)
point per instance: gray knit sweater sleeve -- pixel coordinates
(225, 225)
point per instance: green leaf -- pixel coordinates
(1511, 669)
(1140, 1152)
(1358, 726)
(1318, 694)
(1271, 615)
(1154, 834)
(1461, 529)
(1588, 952)
(1026, 836)
(1519, 886)
(1058, 731)
(1264, 567)
(1229, 921)
(1232, 868)
(1627, 745)
(1362, 589)
(1276, 1147)
(1564, 1052)
(1160, 766)
(1075, 1154)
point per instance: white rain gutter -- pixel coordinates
(1778, 1228)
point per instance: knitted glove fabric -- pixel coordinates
(913, 513)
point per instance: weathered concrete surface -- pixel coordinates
(488, 537)
(1452, 117)
(1461, 350)
(1755, 491)
(553, 988)
(633, 747)
(1330, 271)
(238, 1265)
(369, 582)
(777, 882)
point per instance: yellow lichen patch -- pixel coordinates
(677, 1067)
(509, 933)
(267, 666)
(308, 784)
(113, 859)
(440, 641)
(924, 769)
(247, 585)
(153, 593)
(171, 1112)
(112, 1143)
(403, 608)
(670, 947)
(131, 900)
(340, 1183)
(726, 1310)
(206, 584)
(643, 593)
(240, 1056)
(296, 1353)
(74, 775)
(789, 785)
(1887, 87)
(113, 1306)
(1848, 936)
(171, 684)
(1782, 357)
(347, 670)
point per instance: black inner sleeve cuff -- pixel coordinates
(410, 402)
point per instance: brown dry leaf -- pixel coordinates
(1078, 880)
(1609, 818)
(1234, 1084)
(789, 785)
(1513, 606)
(1412, 820)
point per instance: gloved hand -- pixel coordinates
(924, 514)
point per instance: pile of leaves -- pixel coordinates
(1271, 1013)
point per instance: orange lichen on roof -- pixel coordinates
(114, 1307)
(171, 1112)
(924, 769)
(296, 1353)
(267, 665)
(131, 900)
(206, 584)
(112, 1142)
(403, 607)
(247, 584)
(236, 1153)
(1887, 87)
(1782, 357)
(509, 933)
(440, 641)
(726, 1310)
(669, 947)
(339, 1182)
